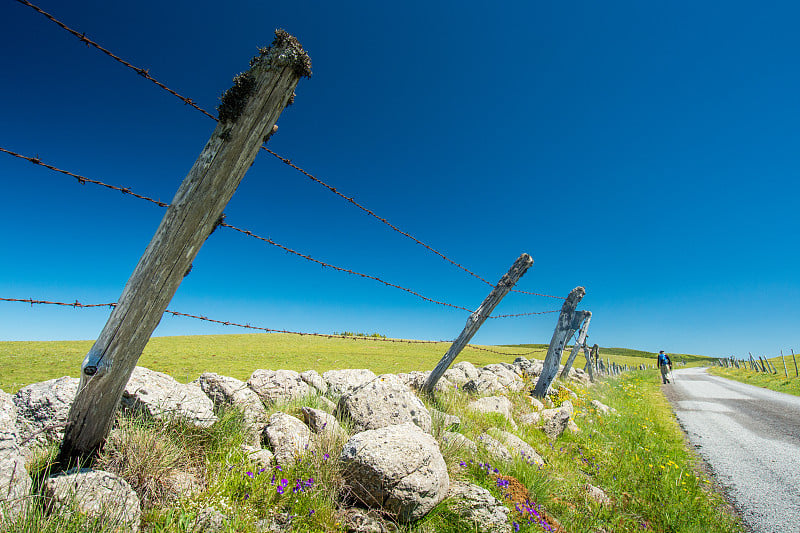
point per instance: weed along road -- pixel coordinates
(750, 438)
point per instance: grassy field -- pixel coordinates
(636, 456)
(186, 357)
(778, 382)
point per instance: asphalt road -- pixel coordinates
(750, 439)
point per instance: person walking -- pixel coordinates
(664, 364)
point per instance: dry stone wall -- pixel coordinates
(392, 463)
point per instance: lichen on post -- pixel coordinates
(553, 358)
(248, 113)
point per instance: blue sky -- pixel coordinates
(648, 152)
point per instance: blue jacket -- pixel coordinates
(663, 359)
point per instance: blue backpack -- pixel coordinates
(663, 359)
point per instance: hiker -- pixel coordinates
(664, 364)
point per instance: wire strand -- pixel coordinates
(76, 304)
(146, 74)
(83, 180)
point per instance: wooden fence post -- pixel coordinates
(478, 317)
(247, 113)
(589, 366)
(556, 349)
(785, 371)
(586, 318)
(796, 373)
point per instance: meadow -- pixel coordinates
(186, 357)
(784, 381)
(637, 456)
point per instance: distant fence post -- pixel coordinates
(478, 317)
(556, 349)
(247, 113)
(796, 373)
(785, 371)
(589, 367)
(587, 317)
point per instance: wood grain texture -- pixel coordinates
(589, 367)
(587, 317)
(553, 358)
(189, 220)
(478, 317)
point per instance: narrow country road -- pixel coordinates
(750, 438)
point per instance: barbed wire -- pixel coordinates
(77, 304)
(341, 269)
(395, 228)
(145, 73)
(83, 180)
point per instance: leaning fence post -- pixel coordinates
(556, 349)
(587, 317)
(796, 373)
(247, 113)
(785, 371)
(589, 366)
(478, 317)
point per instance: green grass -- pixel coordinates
(777, 382)
(638, 457)
(621, 356)
(186, 357)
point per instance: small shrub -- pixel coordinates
(145, 456)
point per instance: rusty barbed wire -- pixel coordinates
(145, 73)
(395, 228)
(83, 179)
(340, 269)
(530, 313)
(77, 304)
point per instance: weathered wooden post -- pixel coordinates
(556, 349)
(247, 113)
(785, 371)
(589, 365)
(753, 361)
(796, 373)
(478, 317)
(585, 317)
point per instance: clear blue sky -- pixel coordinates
(647, 151)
